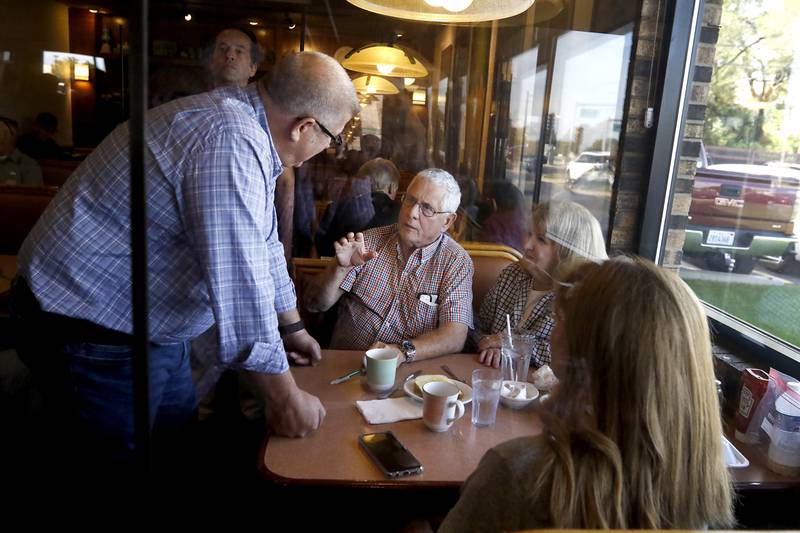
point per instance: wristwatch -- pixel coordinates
(409, 351)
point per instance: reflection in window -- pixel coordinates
(740, 252)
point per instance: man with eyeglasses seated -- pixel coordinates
(408, 285)
(214, 259)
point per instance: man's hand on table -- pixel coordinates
(301, 348)
(290, 411)
(302, 413)
(489, 347)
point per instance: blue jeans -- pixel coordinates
(101, 382)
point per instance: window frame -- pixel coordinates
(673, 107)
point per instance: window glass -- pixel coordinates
(520, 110)
(740, 252)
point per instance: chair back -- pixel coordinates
(488, 265)
(319, 325)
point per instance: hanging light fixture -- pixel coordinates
(445, 10)
(374, 85)
(384, 60)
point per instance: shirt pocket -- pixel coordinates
(423, 317)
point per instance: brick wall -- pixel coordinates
(637, 144)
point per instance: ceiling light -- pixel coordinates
(384, 59)
(289, 22)
(253, 22)
(374, 85)
(446, 10)
(92, 11)
(187, 17)
(456, 6)
(408, 81)
(418, 97)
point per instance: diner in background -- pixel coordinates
(39, 143)
(385, 182)
(350, 211)
(407, 285)
(16, 168)
(234, 57)
(211, 162)
(631, 434)
(508, 221)
(564, 235)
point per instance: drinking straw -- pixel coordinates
(511, 346)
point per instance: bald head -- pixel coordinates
(311, 84)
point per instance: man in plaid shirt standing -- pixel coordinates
(211, 162)
(408, 285)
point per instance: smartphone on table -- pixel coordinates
(389, 454)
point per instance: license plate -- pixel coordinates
(724, 238)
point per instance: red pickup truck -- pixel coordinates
(741, 214)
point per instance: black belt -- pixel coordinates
(34, 321)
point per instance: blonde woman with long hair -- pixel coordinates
(631, 437)
(564, 235)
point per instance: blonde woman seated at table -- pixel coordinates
(631, 435)
(565, 235)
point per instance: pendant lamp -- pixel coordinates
(445, 10)
(374, 85)
(384, 60)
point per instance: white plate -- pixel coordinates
(466, 391)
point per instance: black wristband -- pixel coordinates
(291, 328)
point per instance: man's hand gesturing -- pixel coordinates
(350, 251)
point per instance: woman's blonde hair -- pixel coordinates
(633, 432)
(575, 231)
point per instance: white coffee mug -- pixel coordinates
(440, 405)
(381, 365)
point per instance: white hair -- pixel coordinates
(311, 84)
(382, 173)
(445, 180)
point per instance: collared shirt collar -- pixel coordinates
(424, 253)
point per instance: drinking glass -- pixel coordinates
(516, 356)
(486, 384)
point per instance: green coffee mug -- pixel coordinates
(381, 368)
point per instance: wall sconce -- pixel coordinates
(81, 72)
(419, 97)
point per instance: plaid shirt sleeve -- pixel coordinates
(225, 213)
(285, 296)
(542, 327)
(457, 292)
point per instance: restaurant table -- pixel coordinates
(332, 455)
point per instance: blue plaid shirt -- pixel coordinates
(213, 251)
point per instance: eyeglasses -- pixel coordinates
(336, 140)
(426, 209)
